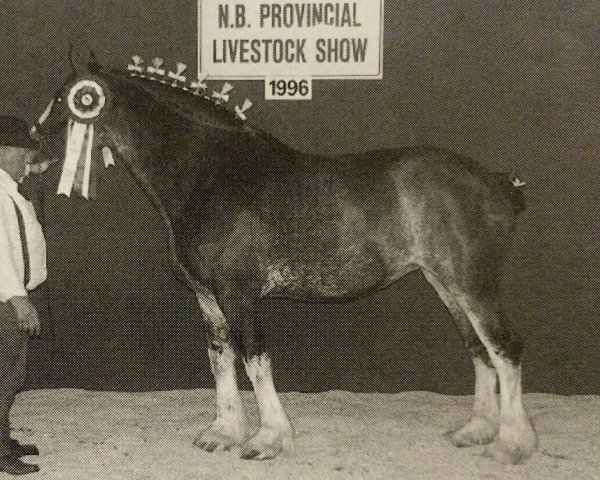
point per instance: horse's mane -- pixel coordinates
(197, 109)
(180, 135)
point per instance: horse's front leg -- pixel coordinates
(229, 427)
(275, 432)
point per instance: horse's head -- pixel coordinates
(66, 127)
(82, 98)
(153, 126)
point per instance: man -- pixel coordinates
(22, 268)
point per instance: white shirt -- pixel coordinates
(12, 268)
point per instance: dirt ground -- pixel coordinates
(339, 435)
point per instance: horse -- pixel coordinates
(250, 217)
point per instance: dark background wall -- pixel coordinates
(513, 84)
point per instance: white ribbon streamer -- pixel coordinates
(107, 156)
(74, 145)
(85, 187)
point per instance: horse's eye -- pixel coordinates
(59, 100)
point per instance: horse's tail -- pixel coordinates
(511, 187)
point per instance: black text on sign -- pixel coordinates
(288, 88)
(253, 39)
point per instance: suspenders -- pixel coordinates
(24, 248)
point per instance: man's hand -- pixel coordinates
(27, 315)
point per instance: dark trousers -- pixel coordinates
(13, 368)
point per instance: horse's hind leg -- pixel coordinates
(275, 432)
(483, 425)
(229, 427)
(516, 439)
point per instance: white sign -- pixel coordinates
(255, 39)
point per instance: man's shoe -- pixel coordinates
(14, 466)
(21, 450)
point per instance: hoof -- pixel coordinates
(478, 431)
(219, 438)
(267, 444)
(513, 447)
(22, 450)
(14, 466)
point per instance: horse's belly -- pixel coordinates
(335, 278)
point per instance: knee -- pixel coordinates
(248, 346)
(248, 338)
(480, 352)
(509, 345)
(515, 351)
(253, 349)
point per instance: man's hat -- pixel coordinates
(14, 132)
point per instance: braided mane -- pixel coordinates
(196, 108)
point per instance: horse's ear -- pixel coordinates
(94, 64)
(79, 67)
(82, 58)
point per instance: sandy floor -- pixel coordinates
(339, 435)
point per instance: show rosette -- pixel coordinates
(88, 99)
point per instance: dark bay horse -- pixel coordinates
(250, 217)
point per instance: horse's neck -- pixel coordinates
(172, 184)
(168, 181)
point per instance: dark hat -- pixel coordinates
(14, 132)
